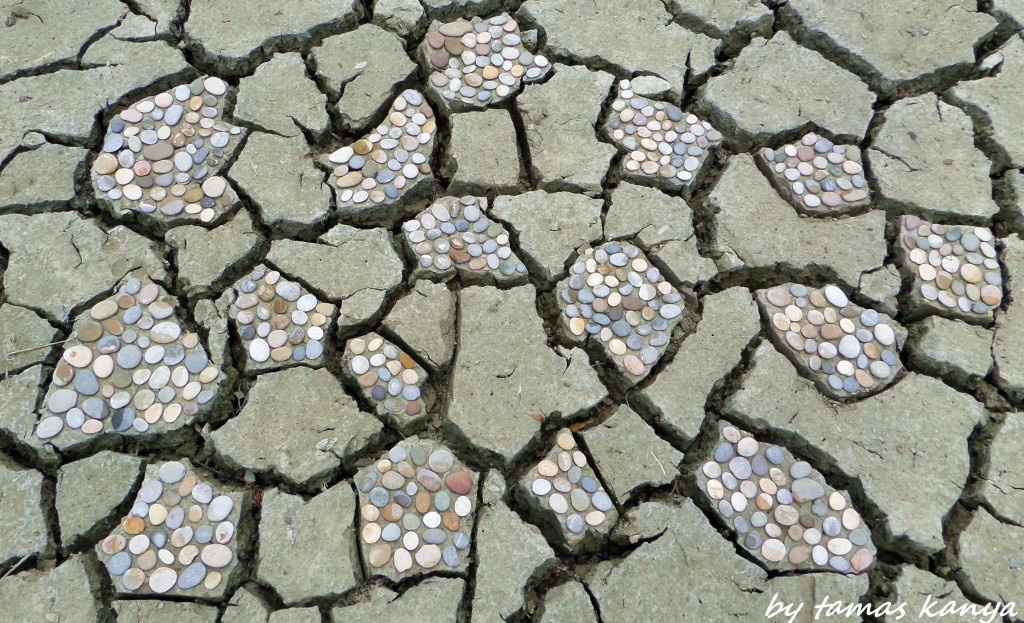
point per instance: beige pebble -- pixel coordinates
(773, 550)
(547, 468)
(133, 579)
(839, 546)
(786, 515)
(851, 519)
(78, 356)
(861, 559)
(113, 544)
(566, 441)
(162, 580)
(428, 556)
(403, 560)
(633, 365)
(157, 514)
(188, 554)
(379, 555)
(212, 580)
(216, 555)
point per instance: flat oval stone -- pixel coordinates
(216, 555)
(806, 490)
(192, 575)
(49, 427)
(171, 472)
(459, 482)
(119, 563)
(61, 400)
(162, 580)
(441, 461)
(428, 556)
(220, 508)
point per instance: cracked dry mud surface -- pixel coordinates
(484, 310)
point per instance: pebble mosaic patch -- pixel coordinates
(846, 349)
(389, 378)
(818, 176)
(565, 485)
(278, 320)
(477, 63)
(162, 155)
(613, 293)
(455, 235)
(180, 537)
(661, 142)
(956, 267)
(782, 510)
(131, 368)
(417, 506)
(387, 163)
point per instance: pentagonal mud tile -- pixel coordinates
(845, 349)
(565, 489)
(454, 235)
(388, 377)
(613, 294)
(132, 367)
(162, 156)
(180, 538)
(955, 268)
(664, 145)
(480, 62)
(385, 167)
(817, 176)
(782, 510)
(417, 506)
(278, 321)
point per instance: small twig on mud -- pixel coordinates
(12, 353)
(660, 465)
(16, 565)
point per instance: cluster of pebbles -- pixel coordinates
(278, 320)
(161, 156)
(846, 349)
(616, 295)
(388, 162)
(480, 62)
(564, 483)
(454, 235)
(956, 267)
(817, 175)
(178, 539)
(661, 141)
(131, 368)
(388, 377)
(782, 510)
(416, 509)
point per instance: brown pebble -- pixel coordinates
(89, 331)
(450, 520)
(459, 482)
(861, 559)
(187, 484)
(392, 512)
(134, 525)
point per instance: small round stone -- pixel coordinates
(172, 472)
(220, 508)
